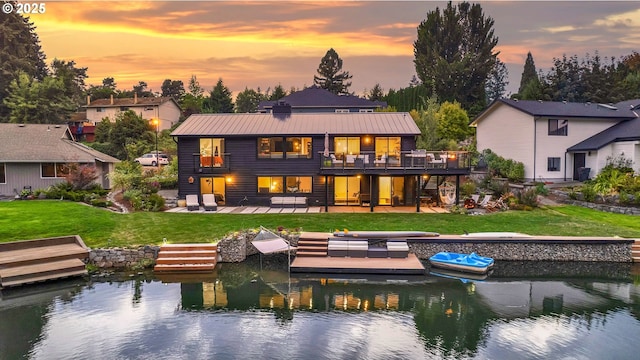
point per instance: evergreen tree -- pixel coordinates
(277, 94)
(453, 122)
(173, 88)
(72, 79)
(193, 101)
(38, 102)
(497, 81)
(454, 53)
(330, 76)
(103, 91)
(247, 101)
(220, 99)
(376, 93)
(20, 52)
(529, 72)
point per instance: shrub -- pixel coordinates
(588, 193)
(468, 188)
(528, 198)
(507, 168)
(541, 189)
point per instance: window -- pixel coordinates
(558, 127)
(271, 148)
(346, 145)
(280, 147)
(298, 147)
(3, 176)
(270, 184)
(342, 111)
(553, 164)
(53, 170)
(99, 109)
(366, 110)
(298, 184)
(389, 146)
(211, 152)
(124, 108)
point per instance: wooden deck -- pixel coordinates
(30, 261)
(410, 265)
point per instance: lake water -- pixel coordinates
(255, 310)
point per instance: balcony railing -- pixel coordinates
(416, 159)
(211, 164)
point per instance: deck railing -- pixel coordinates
(210, 164)
(416, 159)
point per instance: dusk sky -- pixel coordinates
(263, 44)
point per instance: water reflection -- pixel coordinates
(325, 316)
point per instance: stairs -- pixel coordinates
(635, 251)
(186, 258)
(31, 261)
(312, 245)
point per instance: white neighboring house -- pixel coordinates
(166, 109)
(34, 155)
(554, 140)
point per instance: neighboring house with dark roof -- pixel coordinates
(316, 99)
(165, 109)
(364, 159)
(34, 155)
(556, 140)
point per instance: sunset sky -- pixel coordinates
(263, 44)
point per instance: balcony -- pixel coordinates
(415, 162)
(211, 164)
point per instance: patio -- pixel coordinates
(309, 210)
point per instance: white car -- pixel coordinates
(152, 160)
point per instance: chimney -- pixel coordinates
(281, 107)
(135, 97)
(111, 99)
(88, 100)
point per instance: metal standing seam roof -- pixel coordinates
(255, 124)
(45, 143)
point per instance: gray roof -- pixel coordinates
(621, 111)
(45, 143)
(624, 131)
(376, 123)
(316, 97)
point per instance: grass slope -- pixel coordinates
(21, 220)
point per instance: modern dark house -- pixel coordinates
(365, 159)
(315, 99)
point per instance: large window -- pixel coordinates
(270, 185)
(211, 152)
(3, 176)
(281, 147)
(553, 164)
(284, 184)
(53, 170)
(388, 146)
(213, 185)
(558, 127)
(346, 146)
(298, 184)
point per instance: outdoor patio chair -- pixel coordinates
(192, 202)
(485, 201)
(209, 202)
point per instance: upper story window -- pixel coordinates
(346, 146)
(53, 170)
(3, 176)
(342, 110)
(388, 146)
(100, 109)
(281, 147)
(211, 152)
(558, 127)
(366, 110)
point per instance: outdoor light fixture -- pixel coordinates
(228, 179)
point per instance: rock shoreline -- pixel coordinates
(236, 247)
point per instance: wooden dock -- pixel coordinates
(635, 251)
(31, 261)
(187, 258)
(410, 265)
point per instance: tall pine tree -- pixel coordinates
(454, 54)
(20, 53)
(220, 99)
(529, 73)
(330, 76)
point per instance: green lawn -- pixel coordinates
(100, 228)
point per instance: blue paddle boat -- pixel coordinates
(471, 263)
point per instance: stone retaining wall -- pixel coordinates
(612, 208)
(237, 247)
